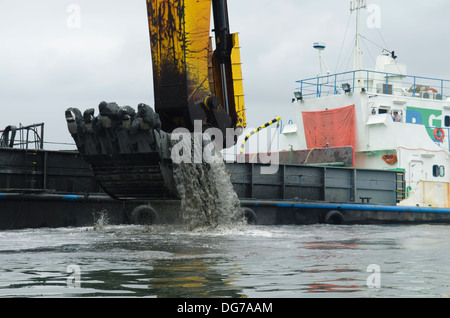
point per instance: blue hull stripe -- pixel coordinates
(365, 207)
(346, 206)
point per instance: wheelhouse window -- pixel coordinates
(447, 121)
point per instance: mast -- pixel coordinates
(357, 5)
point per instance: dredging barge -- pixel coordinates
(44, 188)
(123, 161)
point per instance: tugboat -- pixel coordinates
(391, 121)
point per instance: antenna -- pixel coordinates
(357, 5)
(320, 46)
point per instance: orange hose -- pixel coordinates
(390, 159)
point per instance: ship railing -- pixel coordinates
(23, 137)
(374, 82)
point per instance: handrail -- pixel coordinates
(371, 81)
(9, 141)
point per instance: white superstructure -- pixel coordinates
(417, 141)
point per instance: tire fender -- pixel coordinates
(144, 215)
(334, 217)
(249, 215)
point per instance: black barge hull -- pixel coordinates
(40, 188)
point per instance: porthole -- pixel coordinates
(438, 171)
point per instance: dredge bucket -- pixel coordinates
(127, 150)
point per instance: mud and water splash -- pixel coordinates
(100, 220)
(207, 195)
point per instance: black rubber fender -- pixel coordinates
(144, 215)
(334, 217)
(249, 215)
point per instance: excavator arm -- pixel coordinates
(130, 150)
(190, 81)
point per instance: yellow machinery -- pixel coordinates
(191, 82)
(130, 150)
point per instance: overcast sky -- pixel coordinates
(50, 61)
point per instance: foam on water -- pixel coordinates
(207, 195)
